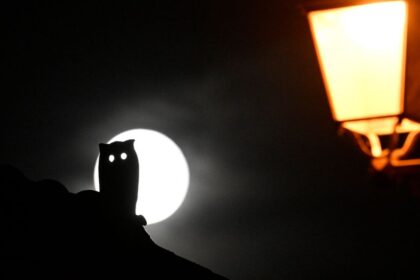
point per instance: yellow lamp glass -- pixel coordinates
(361, 50)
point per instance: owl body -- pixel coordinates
(119, 175)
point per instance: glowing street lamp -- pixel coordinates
(368, 52)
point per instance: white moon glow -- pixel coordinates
(163, 175)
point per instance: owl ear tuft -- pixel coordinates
(102, 147)
(130, 142)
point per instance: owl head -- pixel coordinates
(117, 153)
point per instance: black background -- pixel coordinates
(274, 193)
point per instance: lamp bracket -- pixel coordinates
(394, 155)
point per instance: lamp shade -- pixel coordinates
(364, 53)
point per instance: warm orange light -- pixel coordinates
(383, 126)
(361, 50)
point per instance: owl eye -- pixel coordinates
(123, 156)
(111, 158)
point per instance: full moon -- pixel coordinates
(163, 173)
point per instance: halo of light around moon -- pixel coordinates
(163, 175)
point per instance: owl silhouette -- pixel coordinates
(119, 175)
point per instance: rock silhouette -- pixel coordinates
(48, 231)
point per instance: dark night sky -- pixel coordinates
(274, 193)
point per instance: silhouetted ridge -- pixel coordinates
(49, 229)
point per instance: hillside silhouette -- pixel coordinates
(47, 230)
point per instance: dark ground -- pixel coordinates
(45, 227)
